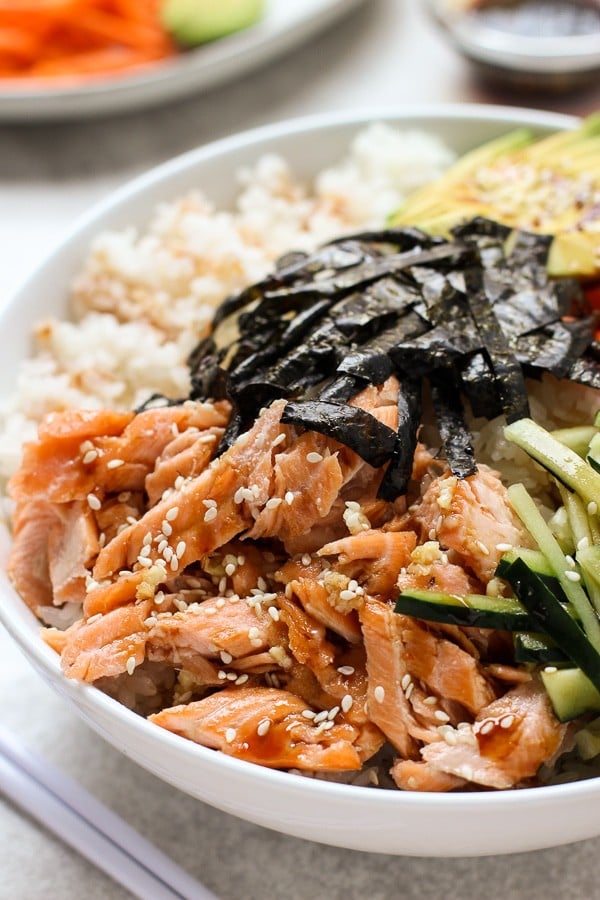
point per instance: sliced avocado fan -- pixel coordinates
(550, 186)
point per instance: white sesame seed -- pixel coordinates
(253, 633)
(146, 550)
(487, 727)
(406, 680)
(583, 543)
(131, 520)
(289, 498)
(115, 463)
(220, 603)
(409, 690)
(570, 561)
(572, 576)
(230, 735)
(507, 721)
(278, 440)
(483, 548)
(241, 559)
(313, 457)
(308, 713)
(379, 693)
(222, 585)
(550, 670)
(273, 503)
(261, 583)
(441, 716)
(592, 508)
(226, 657)
(504, 548)
(221, 675)
(230, 569)
(231, 676)
(211, 514)
(346, 670)
(263, 727)
(130, 665)
(174, 564)
(333, 713)
(274, 613)
(179, 482)
(241, 679)
(102, 539)
(209, 503)
(166, 528)
(180, 549)
(306, 560)
(171, 514)
(347, 702)
(90, 456)
(347, 595)
(86, 446)
(147, 539)
(150, 621)
(320, 717)
(162, 546)
(93, 502)
(168, 553)
(144, 561)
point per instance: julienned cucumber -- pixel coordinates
(564, 463)
(554, 620)
(571, 693)
(577, 438)
(501, 613)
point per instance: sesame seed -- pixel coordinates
(230, 569)
(180, 549)
(163, 546)
(261, 583)
(131, 520)
(289, 498)
(278, 440)
(308, 713)
(146, 550)
(174, 564)
(166, 528)
(115, 463)
(230, 735)
(406, 680)
(226, 657)
(263, 727)
(507, 721)
(90, 456)
(441, 716)
(242, 679)
(487, 727)
(179, 482)
(409, 690)
(93, 502)
(130, 665)
(209, 503)
(231, 676)
(220, 603)
(171, 514)
(504, 548)
(221, 675)
(147, 539)
(379, 693)
(253, 633)
(102, 539)
(273, 503)
(570, 561)
(168, 553)
(86, 446)
(274, 613)
(211, 514)
(583, 543)
(550, 670)
(347, 595)
(306, 560)
(144, 561)
(150, 621)
(241, 559)
(320, 717)
(333, 713)
(483, 548)
(313, 457)
(592, 508)
(572, 576)
(222, 585)
(346, 670)
(347, 702)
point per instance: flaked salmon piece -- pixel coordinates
(186, 456)
(415, 775)
(103, 598)
(245, 463)
(224, 632)
(117, 512)
(303, 576)
(264, 726)
(471, 516)
(306, 636)
(55, 638)
(510, 674)
(28, 564)
(445, 668)
(388, 706)
(107, 646)
(438, 576)
(382, 555)
(510, 740)
(95, 452)
(306, 481)
(72, 548)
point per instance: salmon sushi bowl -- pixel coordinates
(301, 477)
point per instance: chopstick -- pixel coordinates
(95, 831)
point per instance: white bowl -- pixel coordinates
(353, 817)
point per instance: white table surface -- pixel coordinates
(386, 52)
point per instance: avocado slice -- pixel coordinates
(549, 186)
(192, 22)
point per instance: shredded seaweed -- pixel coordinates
(471, 317)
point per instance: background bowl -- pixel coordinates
(354, 817)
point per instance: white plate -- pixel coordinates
(359, 818)
(285, 24)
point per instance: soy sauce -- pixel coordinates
(541, 18)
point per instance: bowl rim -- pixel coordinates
(46, 660)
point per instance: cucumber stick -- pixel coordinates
(577, 439)
(562, 462)
(569, 579)
(570, 692)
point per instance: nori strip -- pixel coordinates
(585, 371)
(477, 380)
(398, 473)
(357, 429)
(456, 440)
